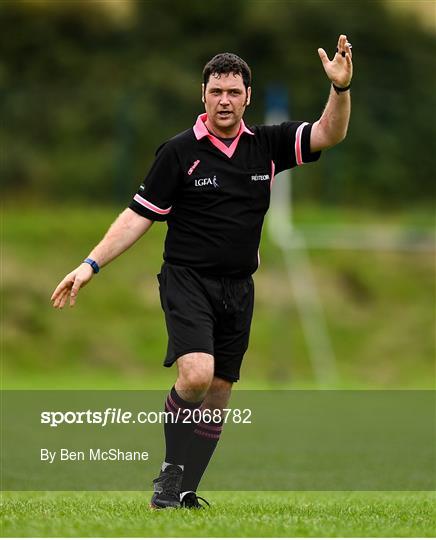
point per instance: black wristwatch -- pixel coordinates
(339, 89)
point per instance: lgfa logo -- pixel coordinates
(198, 182)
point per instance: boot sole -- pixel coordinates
(155, 507)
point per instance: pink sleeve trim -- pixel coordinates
(151, 206)
(298, 150)
(273, 171)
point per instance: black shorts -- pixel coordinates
(206, 314)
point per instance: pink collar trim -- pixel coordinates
(200, 131)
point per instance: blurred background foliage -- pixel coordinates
(90, 89)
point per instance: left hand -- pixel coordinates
(340, 69)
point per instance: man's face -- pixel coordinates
(225, 98)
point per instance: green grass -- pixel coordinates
(240, 514)
(380, 314)
(379, 308)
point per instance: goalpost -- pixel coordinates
(292, 244)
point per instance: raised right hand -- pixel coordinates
(70, 285)
(340, 69)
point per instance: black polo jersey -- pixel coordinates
(214, 198)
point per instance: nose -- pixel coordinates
(224, 99)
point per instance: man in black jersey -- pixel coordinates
(211, 184)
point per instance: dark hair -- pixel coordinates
(227, 63)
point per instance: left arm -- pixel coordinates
(331, 128)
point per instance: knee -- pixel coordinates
(197, 382)
(218, 394)
(195, 375)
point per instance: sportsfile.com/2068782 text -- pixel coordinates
(113, 415)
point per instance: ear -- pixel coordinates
(247, 102)
(202, 92)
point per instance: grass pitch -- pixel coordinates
(239, 514)
(378, 305)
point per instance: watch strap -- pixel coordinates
(93, 264)
(339, 89)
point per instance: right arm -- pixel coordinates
(123, 233)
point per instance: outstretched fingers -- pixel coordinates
(75, 291)
(343, 46)
(323, 55)
(58, 294)
(69, 287)
(63, 298)
(343, 43)
(62, 291)
(348, 53)
(57, 291)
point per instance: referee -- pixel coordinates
(211, 184)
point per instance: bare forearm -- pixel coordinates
(334, 121)
(332, 127)
(123, 233)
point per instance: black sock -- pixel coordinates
(178, 435)
(203, 443)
